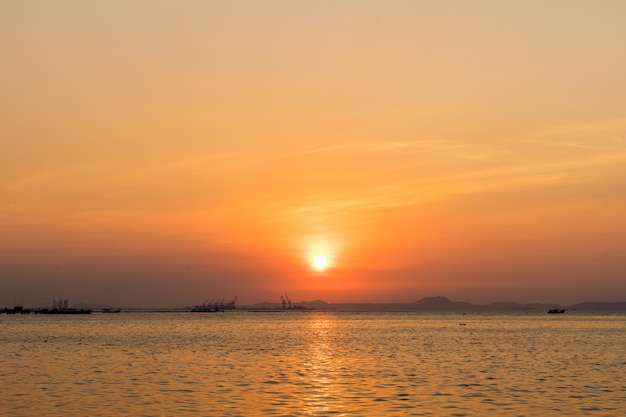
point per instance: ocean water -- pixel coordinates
(313, 364)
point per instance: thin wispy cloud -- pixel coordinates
(425, 146)
(608, 135)
(414, 191)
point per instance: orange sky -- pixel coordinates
(160, 153)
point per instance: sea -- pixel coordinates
(313, 363)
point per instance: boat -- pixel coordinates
(62, 311)
(206, 309)
(16, 310)
(111, 310)
(556, 311)
(62, 307)
(214, 306)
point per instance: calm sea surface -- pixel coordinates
(313, 364)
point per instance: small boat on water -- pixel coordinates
(214, 306)
(62, 311)
(111, 310)
(556, 311)
(205, 309)
(16, 310)
(62, 307)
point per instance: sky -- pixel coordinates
(164, 153)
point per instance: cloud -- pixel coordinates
(450, 147)
(607, 135)
(519, 169)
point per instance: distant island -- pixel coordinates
(440, 303)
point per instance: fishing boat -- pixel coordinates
(16, 310)
(214, 306)
(62, 307)
(62, 311)
(205, 309)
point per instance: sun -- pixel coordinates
(319, 254)
(320, 262)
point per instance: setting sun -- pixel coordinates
(320, 262)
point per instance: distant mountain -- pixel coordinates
(440, 303)
(317, 304)
(599, 305)
(504, 306)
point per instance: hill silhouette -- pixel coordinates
(441, 303)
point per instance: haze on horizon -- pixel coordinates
(161, 153)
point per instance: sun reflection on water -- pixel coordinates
(320, 367)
